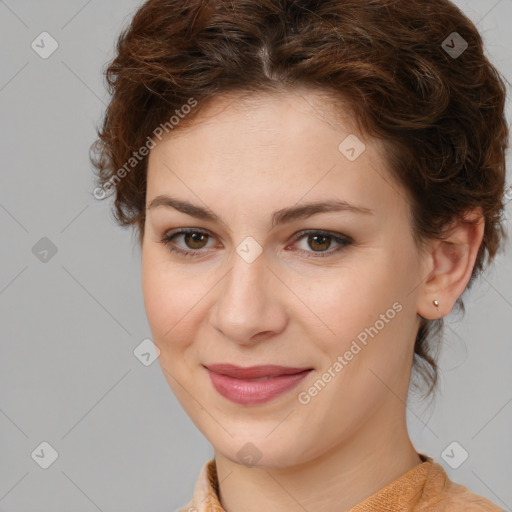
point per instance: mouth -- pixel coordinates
(256, 384)
(254, 372)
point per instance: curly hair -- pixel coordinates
(413, 73)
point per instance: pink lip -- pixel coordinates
(233, 382)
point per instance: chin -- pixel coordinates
(261, 451)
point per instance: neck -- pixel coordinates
(336, 481)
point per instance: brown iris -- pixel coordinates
(325, 244)
(196, 238)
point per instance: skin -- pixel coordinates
(245, 158)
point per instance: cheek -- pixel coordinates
(176, 300)
(346, 298)
(364, 301)
(166, 297)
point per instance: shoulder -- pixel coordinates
(443, 495)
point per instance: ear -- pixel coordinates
(451, 263)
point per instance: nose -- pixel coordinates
(249, 307)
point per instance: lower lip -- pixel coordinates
(253, 392)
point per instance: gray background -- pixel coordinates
(68, 375)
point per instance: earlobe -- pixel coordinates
(452, 261)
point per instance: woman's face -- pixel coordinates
(251, 292)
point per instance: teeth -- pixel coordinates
(260, 378)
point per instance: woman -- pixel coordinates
(314, 185)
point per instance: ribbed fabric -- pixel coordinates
(425, 488)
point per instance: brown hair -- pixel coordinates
(441, 115)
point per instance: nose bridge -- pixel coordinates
(245, 306)
(248, 270)
(244, 288)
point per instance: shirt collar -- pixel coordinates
(400, 495)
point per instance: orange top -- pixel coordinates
(425, 487)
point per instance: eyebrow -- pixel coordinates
(283, 216)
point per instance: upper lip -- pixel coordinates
(253, 372)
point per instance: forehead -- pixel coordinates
(296, 143)
(273, 108)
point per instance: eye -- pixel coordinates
(195, 240)
(320, 240)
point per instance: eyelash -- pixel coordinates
(343, 240)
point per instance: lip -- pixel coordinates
(236, 383)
